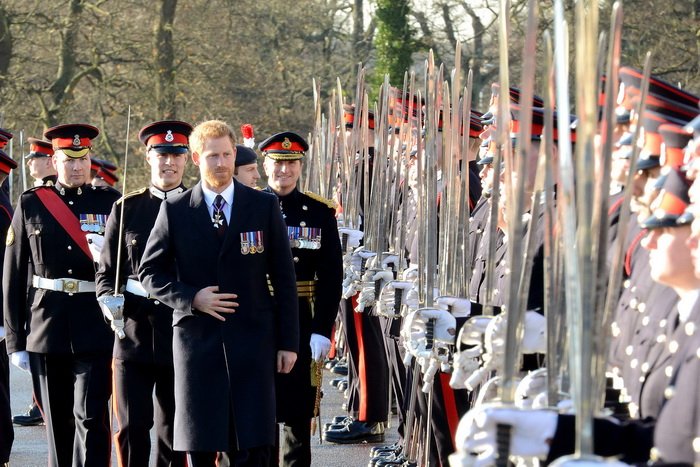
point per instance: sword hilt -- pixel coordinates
(503, 432)
(344, 241)
(430, 334)
(363, 264)
(398, 298)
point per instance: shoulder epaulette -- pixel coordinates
(328, 202)
(131, 194)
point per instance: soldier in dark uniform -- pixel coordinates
(6, 430)
(103, 173)
(143, 360)
(39, 162)
(62, 335)
(318, 263)
(246, 170)
(41, 169)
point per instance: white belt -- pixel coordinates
(136, 288)
(63, 285)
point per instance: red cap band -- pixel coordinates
(167, 138)
(62, 143)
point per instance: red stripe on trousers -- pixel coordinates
(448, 397)
(361, 365)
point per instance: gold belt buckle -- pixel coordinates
(70, 285)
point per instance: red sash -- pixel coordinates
(64, 216)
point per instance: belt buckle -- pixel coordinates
(70, 285)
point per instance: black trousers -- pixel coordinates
(133, 386)
(369, 384)
(7, 433)
(75, 391)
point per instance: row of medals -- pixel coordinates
(93, 223)
(251, 243)
(306, 243)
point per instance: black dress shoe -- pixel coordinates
(355, 433)
(338, 423)
(336, 381)
(32, 417)
(340, 368)
(377, 450)
(342, 385)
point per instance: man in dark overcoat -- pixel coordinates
(209, 257)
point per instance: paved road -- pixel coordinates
(29, 449)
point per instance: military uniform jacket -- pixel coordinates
(318, 260)
(224, 367)
(147, 322)
(46, 321)
(6, 213)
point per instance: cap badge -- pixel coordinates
(76, 140)
(286, 144)
(169, 136)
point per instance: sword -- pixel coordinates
(118, 321)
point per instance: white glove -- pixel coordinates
(20, 359)
(2, 332)
(112, 307)
(410, 273)
(391, 260)
(535, 337)
(531, 386)
(473, 330)
(320, 346)
(354, 236)
(95, 243)
(464, 364)
(531, 430)
(459, 307)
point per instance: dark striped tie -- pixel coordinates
(219, 218)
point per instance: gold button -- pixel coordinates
(628, 350)
(296, 259)
(133, 241)
(156, 302)
(668, 371)
(304, 208)
(642, 307)
(689, 329)
(615, 330)
(70, 271)
(669, 392)
(634, 363)
(645, 367)
(663, 323)
(696, 444)
(302, 224)
(645, 321)
(70, 202)
(673, 346)
(37, 232)
(626, 284)
(661, 338)
(70, 247)
(634, 303)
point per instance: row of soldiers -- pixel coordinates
(443, 361)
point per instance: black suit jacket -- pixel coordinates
(224, 367)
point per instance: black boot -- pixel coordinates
(355, 433)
